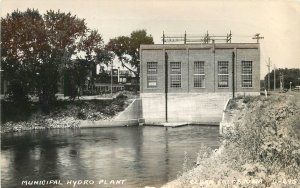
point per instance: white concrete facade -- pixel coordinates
(203, 108)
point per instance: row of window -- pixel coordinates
(199, 74)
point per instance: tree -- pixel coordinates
(92, 46)
(290, 75)
(105, 56)
(23, 48)
(64, 32)
(127, 49)
(37, 49)
(75, 77)
(104, 77)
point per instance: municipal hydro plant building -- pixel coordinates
(192, 83)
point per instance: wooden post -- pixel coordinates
(268, 65)
(233, 86)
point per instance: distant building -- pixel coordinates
(192, 82)
(120, 76)
(121, 80)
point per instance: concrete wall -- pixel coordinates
(188, 108)
(190, 104)
(129, 117)
(153, 107)
(132, 112)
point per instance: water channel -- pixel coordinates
(141, 156)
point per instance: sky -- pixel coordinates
(278, 21)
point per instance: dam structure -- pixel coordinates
(191, 83)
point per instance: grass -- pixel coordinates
(264, 151)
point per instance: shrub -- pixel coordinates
(266, 147)
(203, 153)
(232, 104)
(121, 96)
(267, 134)
(11, 111)
(247, 99)
(18, 93)
(81, 114)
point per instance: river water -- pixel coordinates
(138, 156)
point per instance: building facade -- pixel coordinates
(192, 82)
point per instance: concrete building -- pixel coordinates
(192, 82)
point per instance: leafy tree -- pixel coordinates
(290, 75)
(104, 77)
(36, 49)
(64, 32)
(95, 52)
(127, 49)
(76, 77)
(23, 47)
(105, 57)
(92, 46)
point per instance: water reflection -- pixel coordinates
(141, 155)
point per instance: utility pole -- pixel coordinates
(281, 81)
(233, 86)
(268, 65)
(274, 77)
(166, 85)
(111, 79)
(119, 75)
(257, 37)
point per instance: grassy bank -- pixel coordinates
(262, 150)
(63, 114)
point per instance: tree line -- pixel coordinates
(38, 49)
(289, 75)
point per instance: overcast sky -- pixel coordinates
(278, 21)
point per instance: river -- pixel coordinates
(139, 156)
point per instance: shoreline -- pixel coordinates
(20, 128)
(76, 114)
(75, 124)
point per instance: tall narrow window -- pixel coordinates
(223, 74)
(246, 73)
(152, 74)
(175, 74)
(199, 74)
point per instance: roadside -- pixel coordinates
(261, 150)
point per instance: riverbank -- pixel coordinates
(260, 149)
(64, 114)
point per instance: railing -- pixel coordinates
(189, 38)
